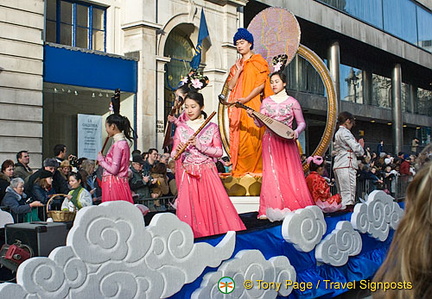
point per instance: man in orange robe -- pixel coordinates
(249, 83)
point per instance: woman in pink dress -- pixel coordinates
(202, 201)
(115, 178)
(283, 187)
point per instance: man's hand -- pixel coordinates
(239, 65)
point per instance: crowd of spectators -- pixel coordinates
(388, 172)
(151, 178)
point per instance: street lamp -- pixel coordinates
(352, 79)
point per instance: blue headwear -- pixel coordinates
(243, 33)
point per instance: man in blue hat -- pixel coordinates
(249, 83)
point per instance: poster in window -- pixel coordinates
(89, 135)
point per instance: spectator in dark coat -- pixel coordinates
(22, 168)
(6, 174)
(139, 183)
(59, 183)
(15, 200)
(42, 187)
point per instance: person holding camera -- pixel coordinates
(140, 181)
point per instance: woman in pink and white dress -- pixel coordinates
(202, 201)
(115, 178)
(283, 187)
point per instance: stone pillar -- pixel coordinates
(413, 99)
(397, 108)
(367, 87)
(334, 64)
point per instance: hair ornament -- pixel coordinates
(115, 102)
(195, 80)
(279, 62)
(318, 160)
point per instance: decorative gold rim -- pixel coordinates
(324, 73)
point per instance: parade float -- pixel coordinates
(112, 251)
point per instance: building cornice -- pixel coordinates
(232, 2)
(145, 24)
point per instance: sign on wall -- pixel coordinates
(89, 135)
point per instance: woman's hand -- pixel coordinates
(171, 118)
(192, 141)
(36, 203)
(361, 141)
(180, 146)
(250, 112)
(293, 134)
(69, 197)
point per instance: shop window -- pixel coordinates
(180, 49)
(76, 24)
(351, 84)
(400, 19)
(403, 18)
(381, 91)
(424, 25)
(424, 102)
(63, 103)
(302, 76)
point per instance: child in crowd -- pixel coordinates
(319, 188)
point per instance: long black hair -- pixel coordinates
(184, 89)
(123, 124)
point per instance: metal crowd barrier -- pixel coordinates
(365, 187)
(165, 203)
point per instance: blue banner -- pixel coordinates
(80, 68)
(202, 34)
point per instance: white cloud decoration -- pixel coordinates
(277, 214)
(111, 254)
(304, 228)
(377, 215)
(339, 245)
(249, 265)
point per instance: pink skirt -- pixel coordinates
(203, 203)
(116, 188)
(283, 183)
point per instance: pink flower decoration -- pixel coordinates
(277, 66)
(197, 83)
(185, 80)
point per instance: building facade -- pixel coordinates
(64, 58)
(379, 55)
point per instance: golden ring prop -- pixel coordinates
(324, 73)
